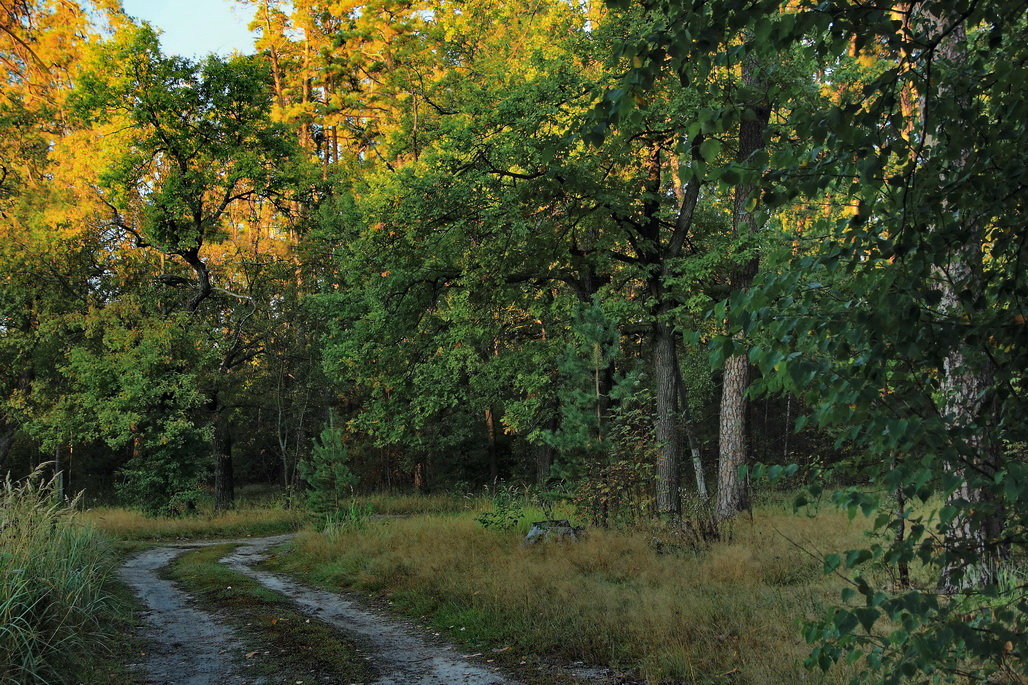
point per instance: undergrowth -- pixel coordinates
(402, 504)
(130, 524)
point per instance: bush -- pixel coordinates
(54, 572)
(166, 478)
(508, 509)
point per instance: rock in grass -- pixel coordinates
(553, 531)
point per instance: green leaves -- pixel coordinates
(710, 149)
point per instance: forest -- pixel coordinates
(735, 291)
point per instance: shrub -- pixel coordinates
(508, 509)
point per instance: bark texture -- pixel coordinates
(665, 371)
(731, 491)
(968, 373)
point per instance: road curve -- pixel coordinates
(186, 645)
(401, 652)
(190, 646)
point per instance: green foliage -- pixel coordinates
(616, 494)
(588, 388)
(508, 508)
(896, 330)
(199, 131)
(126, 385)
(329, 477)
(617, 489)
(167, 480)
(354, 514)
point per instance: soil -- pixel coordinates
(187, 646)
(192, 646)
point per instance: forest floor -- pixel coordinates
(212, 614)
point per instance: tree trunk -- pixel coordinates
(543, 462)
(902, 566)
(690, 434)
(421, 477)
(967, 378)
(58, 474)
(224, 478)
(7, 436)
(731, 491)
(665, 363)
(544, 453)
(968, 373)
(490, 430)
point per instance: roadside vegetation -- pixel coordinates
(133, 525)
(639, 265)
(59, 608)
(643, 600)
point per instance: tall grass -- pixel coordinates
(728, 613)
(55, 607)
(129, 524)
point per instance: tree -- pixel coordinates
(753, 124)
(189, 144)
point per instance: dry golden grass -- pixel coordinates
(127, 524)
(733, 610)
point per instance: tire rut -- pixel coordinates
(400, 652)
(186, 645)
(190, 646)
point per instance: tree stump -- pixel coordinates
(553, 531)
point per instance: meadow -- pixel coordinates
(642, 600)
(648, 601)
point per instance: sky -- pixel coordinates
(194, 28)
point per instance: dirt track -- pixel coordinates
(192, 646)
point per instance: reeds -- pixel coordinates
(54, 571)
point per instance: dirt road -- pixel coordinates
(194, 646)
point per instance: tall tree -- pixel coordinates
(194, 142)
(753, 122)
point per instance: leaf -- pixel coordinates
(710, 149)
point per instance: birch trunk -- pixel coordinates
(968, 374)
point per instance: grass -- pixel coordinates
(286, 646)
(131, 525)
(398, 504)
(729, 613)
(59, 610)
(259, 515)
